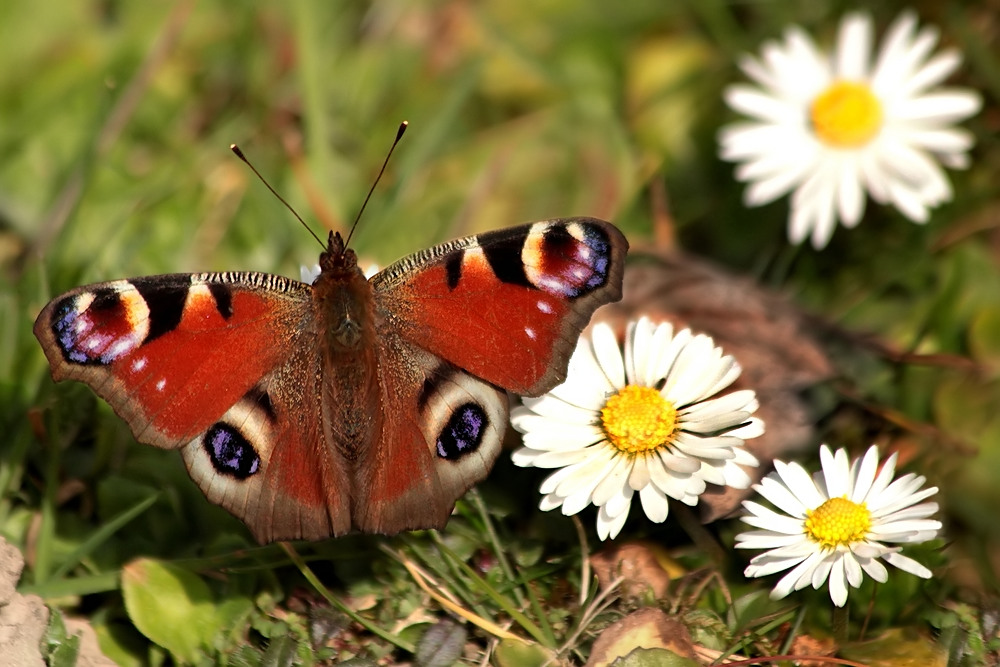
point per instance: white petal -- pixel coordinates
(557, 409)
(825, 202)
(800, 484)
(850, 194)
(865, 476)
(711, 423)
(711, 474)
(654, 504)
(582, 475)
(782, 498)
(874, 568)
(852, 569)
(766, 565)
(945, 140)
(768, 520)
(838, 583)
(908, 201)
(908, 565)
(550, 502)
(933, 72)
(757, 104)
(686, 379)
(942, 108)
(800, 222)
(674, 484)
(608, 354)
(774, 185)
(309, 274)
(788, 582)
(745, 458)
(668, 353)
(753, 428)
(613, 481)
(677, 463)
(559, 459)
(639, 475)
(547, 434)
(586, 384)
(901, 52)
(736, 477)
(765, 539)
(853, 47)
(610, 526)
(620, 502)
(690, 445)
(836, 471)
(638, 341)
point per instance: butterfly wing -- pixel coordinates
(220, 366)
(441, 436)
(463, 321)
(509, 305)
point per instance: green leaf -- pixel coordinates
(280, 652)
(171, 606)
(984, 337)
(516, 653)
(653, 657)
(62, 649)
(102, 534)
(897, 648)
(748, 611)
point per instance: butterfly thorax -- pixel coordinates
(343, 298)
(345, 310)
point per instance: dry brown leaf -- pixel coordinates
(646, 628)
(821, 648)
(646, 567)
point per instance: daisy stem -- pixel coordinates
(696, 531)
(839, 622)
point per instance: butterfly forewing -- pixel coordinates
(508, 305)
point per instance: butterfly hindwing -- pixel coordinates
(507, 306)
(430, 455)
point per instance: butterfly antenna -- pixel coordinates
(236, 149)
(399, 135)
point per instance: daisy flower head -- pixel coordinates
(648, 420)
(831, 127)
(837, 525)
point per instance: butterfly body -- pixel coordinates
(352, 403)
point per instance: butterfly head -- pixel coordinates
(337, 258)
(343, 297)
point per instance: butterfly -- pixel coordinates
(351, 404)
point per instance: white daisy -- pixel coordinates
(833, 126)
(835, 525)
(646, 421)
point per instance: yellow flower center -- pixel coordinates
(838, 521)
(846, 115)
(638, 419)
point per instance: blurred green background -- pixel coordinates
(115, 125)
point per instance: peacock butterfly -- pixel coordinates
(361, 404)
